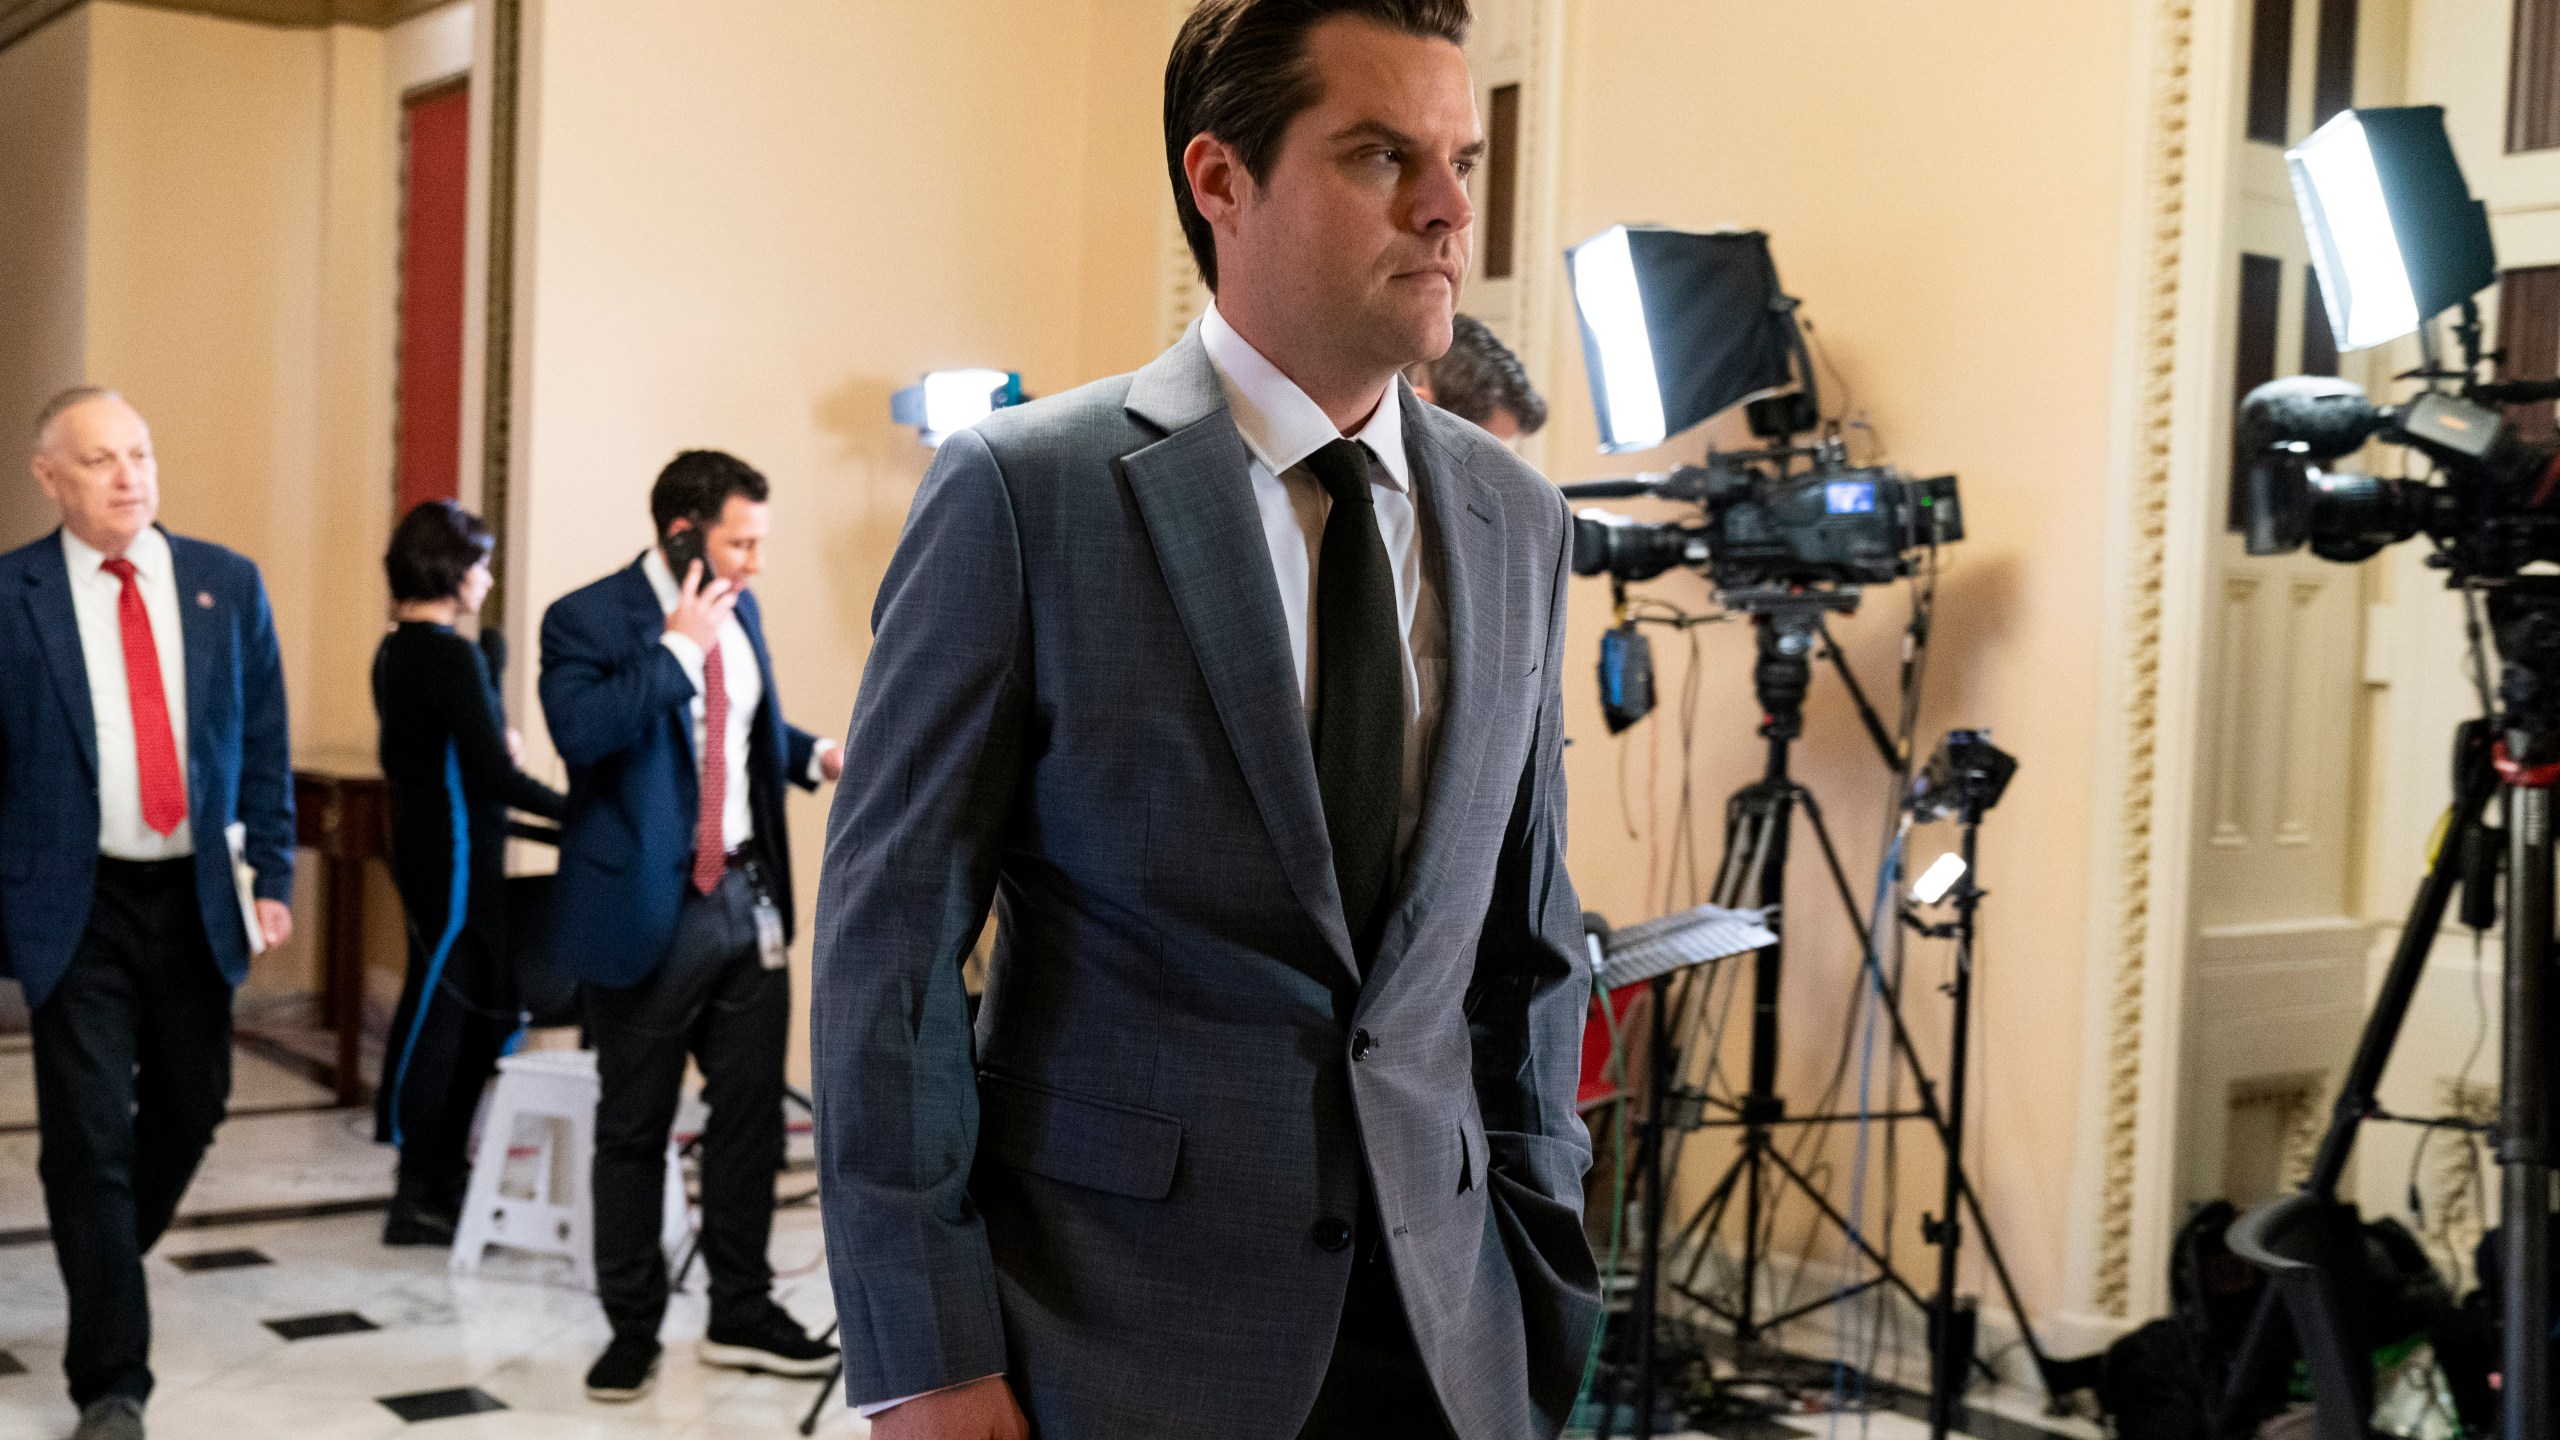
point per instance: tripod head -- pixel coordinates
(1786, 623)
(2524, 617)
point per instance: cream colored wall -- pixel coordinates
(750, 226)
(205, 198)
(1946, 195)
(44, 104)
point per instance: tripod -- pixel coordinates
(1757, 843)
(2300, 1240)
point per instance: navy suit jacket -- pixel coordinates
(619, 706)
(239, 765)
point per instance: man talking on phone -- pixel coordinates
(674, 906)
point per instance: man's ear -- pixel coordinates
(1218, 178)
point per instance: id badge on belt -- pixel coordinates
(769, 947)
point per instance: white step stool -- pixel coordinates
(553, 1091)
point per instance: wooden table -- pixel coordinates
(342, 811)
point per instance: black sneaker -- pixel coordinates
(623, 1371)
(773, 1345)
(412, 1223)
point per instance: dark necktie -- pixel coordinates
(1359, 729)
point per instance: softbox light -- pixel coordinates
(1677, 327)
(2395, 235)
(949, 400)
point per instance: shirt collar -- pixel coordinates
(149, 553)
(1280, 424)
(653, 563)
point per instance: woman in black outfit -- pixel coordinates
(450, 759)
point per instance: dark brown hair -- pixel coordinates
(696, 486)
(432, 548)
(1239, 71)
(1480, 375)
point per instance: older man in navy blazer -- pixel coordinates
(144, 718)
(674, 905)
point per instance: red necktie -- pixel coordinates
(155, 749)
(710, 855)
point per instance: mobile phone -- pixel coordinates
(684, 548)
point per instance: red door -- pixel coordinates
(436, 164)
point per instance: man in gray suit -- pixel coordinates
(1233, 685)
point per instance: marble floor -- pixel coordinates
(387, 1330)
(308, 1327)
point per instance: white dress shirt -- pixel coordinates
(1281, 428)
(122, 835)
(745, 684)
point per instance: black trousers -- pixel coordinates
(133, 1068)
(1376, 1387)
(710, 998)
(435, 1068)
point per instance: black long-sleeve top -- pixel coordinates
(441, 721)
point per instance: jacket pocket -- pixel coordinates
(1120, 1149)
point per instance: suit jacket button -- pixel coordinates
(1361, 1045)
(1332, 1234)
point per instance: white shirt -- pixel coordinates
(1281, 428)
(743, 681)
(745, 684)
(122, 835)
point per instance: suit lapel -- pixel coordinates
(1194, 493)
(649, 621)
(57, 628)
(200, 637)
(1458, 521)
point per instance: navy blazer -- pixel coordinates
(239, 765)
(618, 704)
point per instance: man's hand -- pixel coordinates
(831, 763)
(275, 923)
(702, 607)
(979, 1410)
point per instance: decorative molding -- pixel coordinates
(2301, 1119)
(2145, 580)
(2232, 678)
(497, 387)
(1181, 295)
(20, 18)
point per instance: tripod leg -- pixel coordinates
(2524, 1122)
(2475, 781)
(1700, 1232)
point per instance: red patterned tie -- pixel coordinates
(155, 749)
(710, 856)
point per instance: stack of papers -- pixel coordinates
(1674, 942)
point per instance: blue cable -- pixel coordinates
(1872, 971)
(457, 908)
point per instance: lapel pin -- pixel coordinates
(204, 599)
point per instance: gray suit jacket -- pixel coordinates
(1080, 706)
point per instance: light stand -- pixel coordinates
(1757, 846)
(1964, 780)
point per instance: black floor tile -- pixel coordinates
(11, 1364)
(441, 1404)
(311, 1327)
(204, 1260)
